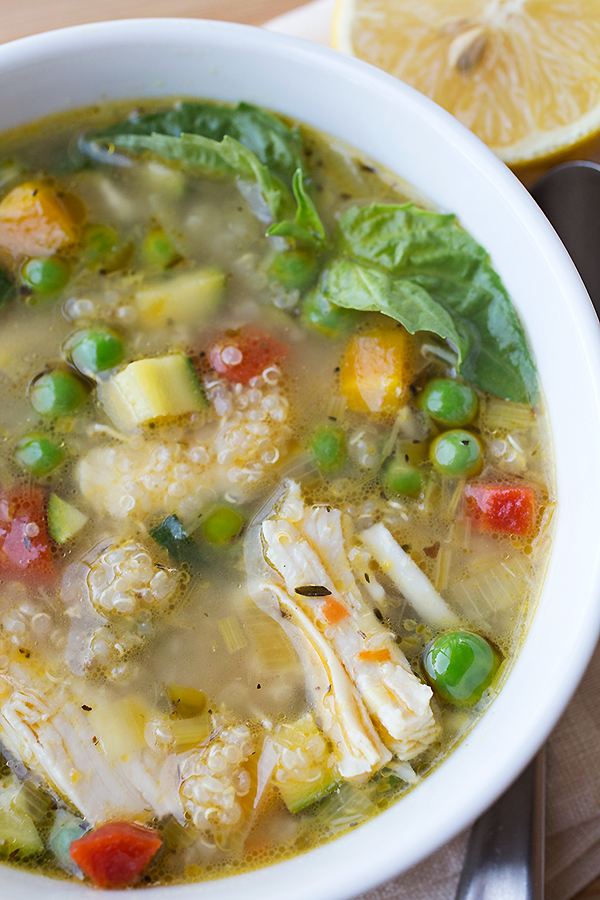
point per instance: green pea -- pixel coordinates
(460, 666)
(294, 269)
(158, 249)
(457, 452)
(57, 393)
(449, 402)
(222, 525)
(102, 249)
(321, 315)
(99, 242)
(45, 275)
(328, 448)
(37, 453)
(94, 350)
(401, 479)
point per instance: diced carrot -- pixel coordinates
(501, 508)
(375, 656)
(375, 370)
(36, 221)
(244, 354)
(24, 543)
(115, 854)
(333, 611)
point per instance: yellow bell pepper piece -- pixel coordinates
(375, 370)
(36, 221)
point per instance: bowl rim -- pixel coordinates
(350, 875)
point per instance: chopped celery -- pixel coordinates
(187, 702)
(66, 829)
(171, 535)
(152, 389)
(347, 807)
(64, 521)
(188, 733)
(412, 451)
(7, 288)
(33, 800)
(187, 298)
(18, 834)
(232, 634)
(502, 415)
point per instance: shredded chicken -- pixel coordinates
(306, 546)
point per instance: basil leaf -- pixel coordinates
(276, 145)
(435, 254)
(307, 227)
(353, 285)
(7, 288)
(226, 158)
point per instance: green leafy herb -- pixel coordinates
(7, 288)
(276, 145)
(422, 269)
(307, 227)
(226, 158)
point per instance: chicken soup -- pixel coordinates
(276, 491)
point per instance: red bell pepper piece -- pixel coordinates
(24, 542)
(115, 854)
(243, 354)
(502, 508)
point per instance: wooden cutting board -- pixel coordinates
(19, 18)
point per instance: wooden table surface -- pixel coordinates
(19, 18)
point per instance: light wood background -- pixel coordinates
(19, 18)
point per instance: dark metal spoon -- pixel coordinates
(569, 195)
(505, 854)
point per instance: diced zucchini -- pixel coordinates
(64, 521)
(18, 834)
(191, 297)
(120, 726)
(300, 792)
(171, 535)
(66, 829)
(151, 389)
(297, 795)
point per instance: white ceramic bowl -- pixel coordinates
(410, 135)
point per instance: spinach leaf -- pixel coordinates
(307, 227)
(226, 158)
(7, 288)
(276, 145)
(433, 254)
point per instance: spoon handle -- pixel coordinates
(505, 853)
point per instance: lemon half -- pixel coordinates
(524, 75)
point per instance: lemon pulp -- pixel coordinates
(524, 75)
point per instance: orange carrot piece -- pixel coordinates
(375, 656)
(333, 611)
(36, 221)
